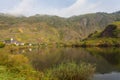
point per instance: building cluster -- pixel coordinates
(13, 41)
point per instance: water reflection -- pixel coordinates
(105, 59)
(111, 57)
(20, 51)
(110, 76)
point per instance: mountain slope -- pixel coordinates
(110, 36)
(53, 28)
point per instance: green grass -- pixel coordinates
(70, 71)
(101, 42)
(2, 45)
(16, 67)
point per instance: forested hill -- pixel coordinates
(45, 28)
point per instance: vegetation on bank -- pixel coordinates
(70, 71)
(110, 36)
(101, 42)
(2, 45)
(51, 30)
(17, 67)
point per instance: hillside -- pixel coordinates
(51, 29)
(110, 36)
(111, 31)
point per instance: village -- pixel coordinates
(13, 41)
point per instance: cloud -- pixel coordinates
(28, 7)
(24, 7)
(79, 7)
(73, 9)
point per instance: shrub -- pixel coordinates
(2, 45)
(70, 71)
(3, 58)
(17, 67)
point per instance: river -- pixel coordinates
(106, 60)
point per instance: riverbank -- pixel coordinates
(17, 66)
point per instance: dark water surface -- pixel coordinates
(106, 60)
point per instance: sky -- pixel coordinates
(62, 8)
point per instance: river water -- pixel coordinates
(106, 60)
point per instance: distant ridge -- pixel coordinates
(54, 28)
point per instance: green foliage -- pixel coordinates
(117, 23)
(70, 71)
(16, 67)
(108, 37)
(3, 59)
(101, 42)
(52, 29)
(2, 45)
(94, 35)
(117, 30)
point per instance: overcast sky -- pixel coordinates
(63, 8)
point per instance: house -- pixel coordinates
(13, 41)
(30, 44)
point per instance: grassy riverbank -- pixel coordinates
(18, 67)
